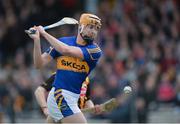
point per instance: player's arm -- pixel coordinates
(39, 58)
(40, 61)
(41, 97)
(89, 104)
(97, 108)
(61, 47)
(40, 93)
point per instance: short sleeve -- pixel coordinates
(91, 54)
(52, 52)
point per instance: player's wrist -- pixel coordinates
(37, 39)
(43, 33)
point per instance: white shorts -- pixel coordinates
(62, 103)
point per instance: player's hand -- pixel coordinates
(35, 36)
(41, 30)
(98, 109)
(45, 111)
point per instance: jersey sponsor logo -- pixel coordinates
(72, 64)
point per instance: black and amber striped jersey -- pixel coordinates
(84, 94)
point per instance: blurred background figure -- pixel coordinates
(141, 44)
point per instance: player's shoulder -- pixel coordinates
(94, 51)
(93, 48)
(69, 39)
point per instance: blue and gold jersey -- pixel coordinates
(72, 71)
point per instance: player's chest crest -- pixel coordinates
(72, 64)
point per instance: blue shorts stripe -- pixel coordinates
(58, 91)
(62, 104)
(65, 109)
(58, 96)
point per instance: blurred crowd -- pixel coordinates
(140, 40)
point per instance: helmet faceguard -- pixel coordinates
(89, 27)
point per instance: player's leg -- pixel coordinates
(69, 108)
(75, 118)
(62, 106)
